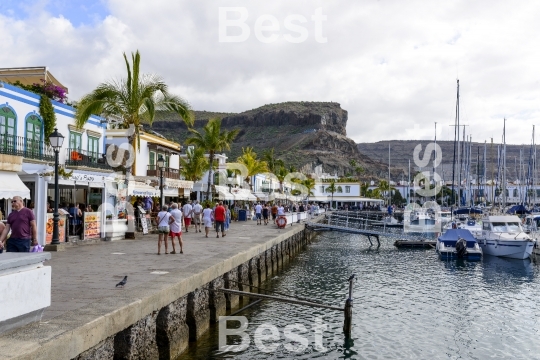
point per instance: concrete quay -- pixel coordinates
(166, 302)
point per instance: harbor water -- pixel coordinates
(408, 304)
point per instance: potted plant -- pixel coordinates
(47, 176)
(65, 174)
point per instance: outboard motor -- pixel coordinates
(461, 248)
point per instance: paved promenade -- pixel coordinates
(84, 279)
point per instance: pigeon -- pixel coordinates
(123, 282)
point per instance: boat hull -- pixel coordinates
(451, 255)
(514, 249)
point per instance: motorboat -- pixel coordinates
(502, 235)
(419, 217)
(458, 244)
(470, 224)
(445, 217)
(532, 227)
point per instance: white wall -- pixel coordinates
(25, 103)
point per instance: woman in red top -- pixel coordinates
(219, 218)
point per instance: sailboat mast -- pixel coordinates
(409, 184)
(504, 165)
(456, 134)
(492, 176)
(434, 162)
(534, 169)
(389, 192)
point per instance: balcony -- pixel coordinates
(30, 149)
(77, 157)
(168, 173)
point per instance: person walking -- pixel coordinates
(188, 212)
(265, 212)
(177, 219)
(207, 219)
(227, 217)
(197, 213)
(300, 211)
(274, 212)
(281, 210)
(22, 224)
(219, 218)
(163, 220)
(258, 213)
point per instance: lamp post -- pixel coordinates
(56, 139)
(161, 165)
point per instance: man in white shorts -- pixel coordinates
(188, 211)
(258, 213)
(176, 227)
(197, 213)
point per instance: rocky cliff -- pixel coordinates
(303, 134)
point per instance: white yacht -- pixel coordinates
(503, 236)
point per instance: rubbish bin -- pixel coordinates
(242, 215)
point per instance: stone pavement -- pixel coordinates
(86, 305)
(84, 274)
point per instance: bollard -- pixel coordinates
(347, 324)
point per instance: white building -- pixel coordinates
(81, 155)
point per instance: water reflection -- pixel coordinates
(407, 304)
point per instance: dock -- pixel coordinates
(167, 301)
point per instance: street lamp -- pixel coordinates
(56, 139)
(161, 165)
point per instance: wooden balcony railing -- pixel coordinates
(169, 173)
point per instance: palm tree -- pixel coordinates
(281, 173)
(385, 188)
(134, 100)
(213, 140)
(252, 164)
(194, 165)
(364, 187)
(271, 160)
(332, 189)
(309, 183)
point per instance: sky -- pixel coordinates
(393, 65)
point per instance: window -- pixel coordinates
(485, 226)
(516, 193)
(75, 142)
(167, 161)
(33, 135)
(152, 161)
(347, 189)
(8, 121)
(322, 188)
(93, 148)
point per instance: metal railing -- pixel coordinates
(28, 148)
(77, 157)
(169, 173)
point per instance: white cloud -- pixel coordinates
(391, 64)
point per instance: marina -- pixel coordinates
(470, 309)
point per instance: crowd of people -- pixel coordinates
(171, 219)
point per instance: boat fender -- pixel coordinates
(461, 248)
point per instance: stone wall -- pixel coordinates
(165, 334)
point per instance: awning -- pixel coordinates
(12, 186)
(223, 192)
(172, 192)
(179, 184)
(243, 194)
(140, 189)
(261, 195)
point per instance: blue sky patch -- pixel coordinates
(79, 12)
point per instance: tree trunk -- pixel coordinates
(129, 169)
(211, 161)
